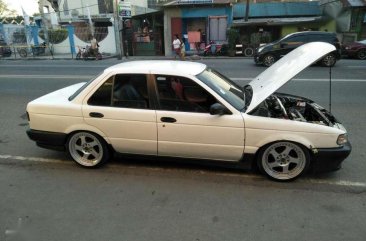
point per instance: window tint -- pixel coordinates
(122, 90)
(296, 39)
(182, 94)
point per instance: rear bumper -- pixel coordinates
(49, 140)
(330, 159)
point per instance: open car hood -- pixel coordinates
(285, 69)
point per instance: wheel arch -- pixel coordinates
(80, 127)
(306, 143)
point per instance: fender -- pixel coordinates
(84, 127)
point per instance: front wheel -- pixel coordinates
(329, 60)
(361, 54)
(88, 149)
(283, 161)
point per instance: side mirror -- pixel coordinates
(218, 109)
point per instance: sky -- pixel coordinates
(29, 6)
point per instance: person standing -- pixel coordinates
(177, 46)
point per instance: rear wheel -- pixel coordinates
(249, 52)
(329, 60)
(88, 149)
(361, 54)
(268, 60)
(283, 161)
(23, 53)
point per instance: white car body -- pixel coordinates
(224, 137)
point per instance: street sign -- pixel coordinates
(124, 9)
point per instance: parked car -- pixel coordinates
(356, 49)
(268, 54)
(188, 110)
(5, 50)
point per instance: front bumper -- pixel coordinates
(330, 159)
(257, 60)
(49, 140)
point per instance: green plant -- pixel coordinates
(233, 38)
(55, 36)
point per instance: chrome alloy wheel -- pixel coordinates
(268, 60)
(329, 60)
(86, 149)
(283, 160)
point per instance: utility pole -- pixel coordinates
(118, 35)
(247, 11)
(44, 25)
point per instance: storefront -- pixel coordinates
(143, 35)
(197, 24)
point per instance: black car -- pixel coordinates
(268, 54)
(5, 51)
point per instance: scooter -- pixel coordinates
(213, 49)
(88, 53)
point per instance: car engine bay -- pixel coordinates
(284, 106)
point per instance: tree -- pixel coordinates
(5, 11)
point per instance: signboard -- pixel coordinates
(124, 9)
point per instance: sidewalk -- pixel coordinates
(70, 57)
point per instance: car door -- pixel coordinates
(292, 43)
(121, 108)
(187, 129)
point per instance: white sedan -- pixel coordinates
(188, 110)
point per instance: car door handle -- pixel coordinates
(168, 119)
(96, 115)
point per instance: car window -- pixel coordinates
(321, 38)
(295, 40)
(122, 90)
(224, 87)
(182, 94)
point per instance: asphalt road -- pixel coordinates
(45, 196)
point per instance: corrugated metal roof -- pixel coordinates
(278, 9)
(275, 21)
(354, 3)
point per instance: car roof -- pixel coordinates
(168, 67)
(311, 33)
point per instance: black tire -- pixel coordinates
(283, 160)
(88, 149)
(99, 56)
(248, 52)
(23, 53)
(361, 54)
(268, 60)
(329, 60)
(78, 56)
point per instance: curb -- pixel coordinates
(128, 58)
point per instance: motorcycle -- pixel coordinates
(88, 53)
(38, 50)
(213, 49)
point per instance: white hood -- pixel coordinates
(285, 69)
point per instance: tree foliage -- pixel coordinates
(5, 11)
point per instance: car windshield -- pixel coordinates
(83, 87)
(224, 87)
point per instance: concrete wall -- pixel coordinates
(168, 15)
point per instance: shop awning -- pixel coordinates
(275, 21)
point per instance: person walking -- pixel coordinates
(183, 50)
(177, 46)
